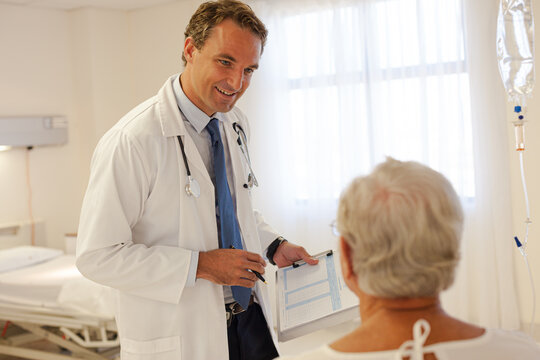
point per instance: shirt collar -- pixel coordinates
(190, 111)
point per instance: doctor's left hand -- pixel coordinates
(288, 253)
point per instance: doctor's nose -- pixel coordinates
(236, 81)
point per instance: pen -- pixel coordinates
(257, 274)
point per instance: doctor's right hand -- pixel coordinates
(230, 267)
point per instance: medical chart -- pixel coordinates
(312, 297)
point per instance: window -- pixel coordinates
(375, 79)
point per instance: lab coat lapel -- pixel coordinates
(197, 167)
(172, 125)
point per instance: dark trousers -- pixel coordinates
(249, 337)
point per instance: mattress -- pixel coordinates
(39, 284)
(57, 286)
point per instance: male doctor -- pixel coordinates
(182, 251)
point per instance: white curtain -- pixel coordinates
(343, 84)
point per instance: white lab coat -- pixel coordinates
(138, 228)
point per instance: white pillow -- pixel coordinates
(23, 256)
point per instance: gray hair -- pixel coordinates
(403, 223)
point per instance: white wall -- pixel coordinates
(157, 40)
(36, 72)
(91, 66)
(103, 85)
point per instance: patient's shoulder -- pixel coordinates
(508, 339)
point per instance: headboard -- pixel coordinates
(20, 233)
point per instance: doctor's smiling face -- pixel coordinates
(217, 74)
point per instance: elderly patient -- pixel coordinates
(400, 230)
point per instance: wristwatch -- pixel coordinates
(273, 248)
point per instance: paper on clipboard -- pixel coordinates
(312, 297)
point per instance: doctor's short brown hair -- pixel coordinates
(212, 13)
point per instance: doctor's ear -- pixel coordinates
(189, 49)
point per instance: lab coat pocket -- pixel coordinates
(168, 348)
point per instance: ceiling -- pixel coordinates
(76, 4)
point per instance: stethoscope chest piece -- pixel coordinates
(193, 188)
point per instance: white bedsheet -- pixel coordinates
(56, 284)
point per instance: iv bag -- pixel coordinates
(515, 48)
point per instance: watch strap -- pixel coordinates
(272, 248)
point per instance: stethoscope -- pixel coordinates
(192, 186)
(242, 143)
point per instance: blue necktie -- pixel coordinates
(230, 232)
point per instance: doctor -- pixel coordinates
(167, 218)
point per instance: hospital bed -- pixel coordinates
(44, 297)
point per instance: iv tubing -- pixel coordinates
(528, 219)
(523, 249)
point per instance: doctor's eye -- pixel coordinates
(225, 62)
(249, 71)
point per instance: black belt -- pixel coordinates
(235, 308)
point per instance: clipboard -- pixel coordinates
(313, 297)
